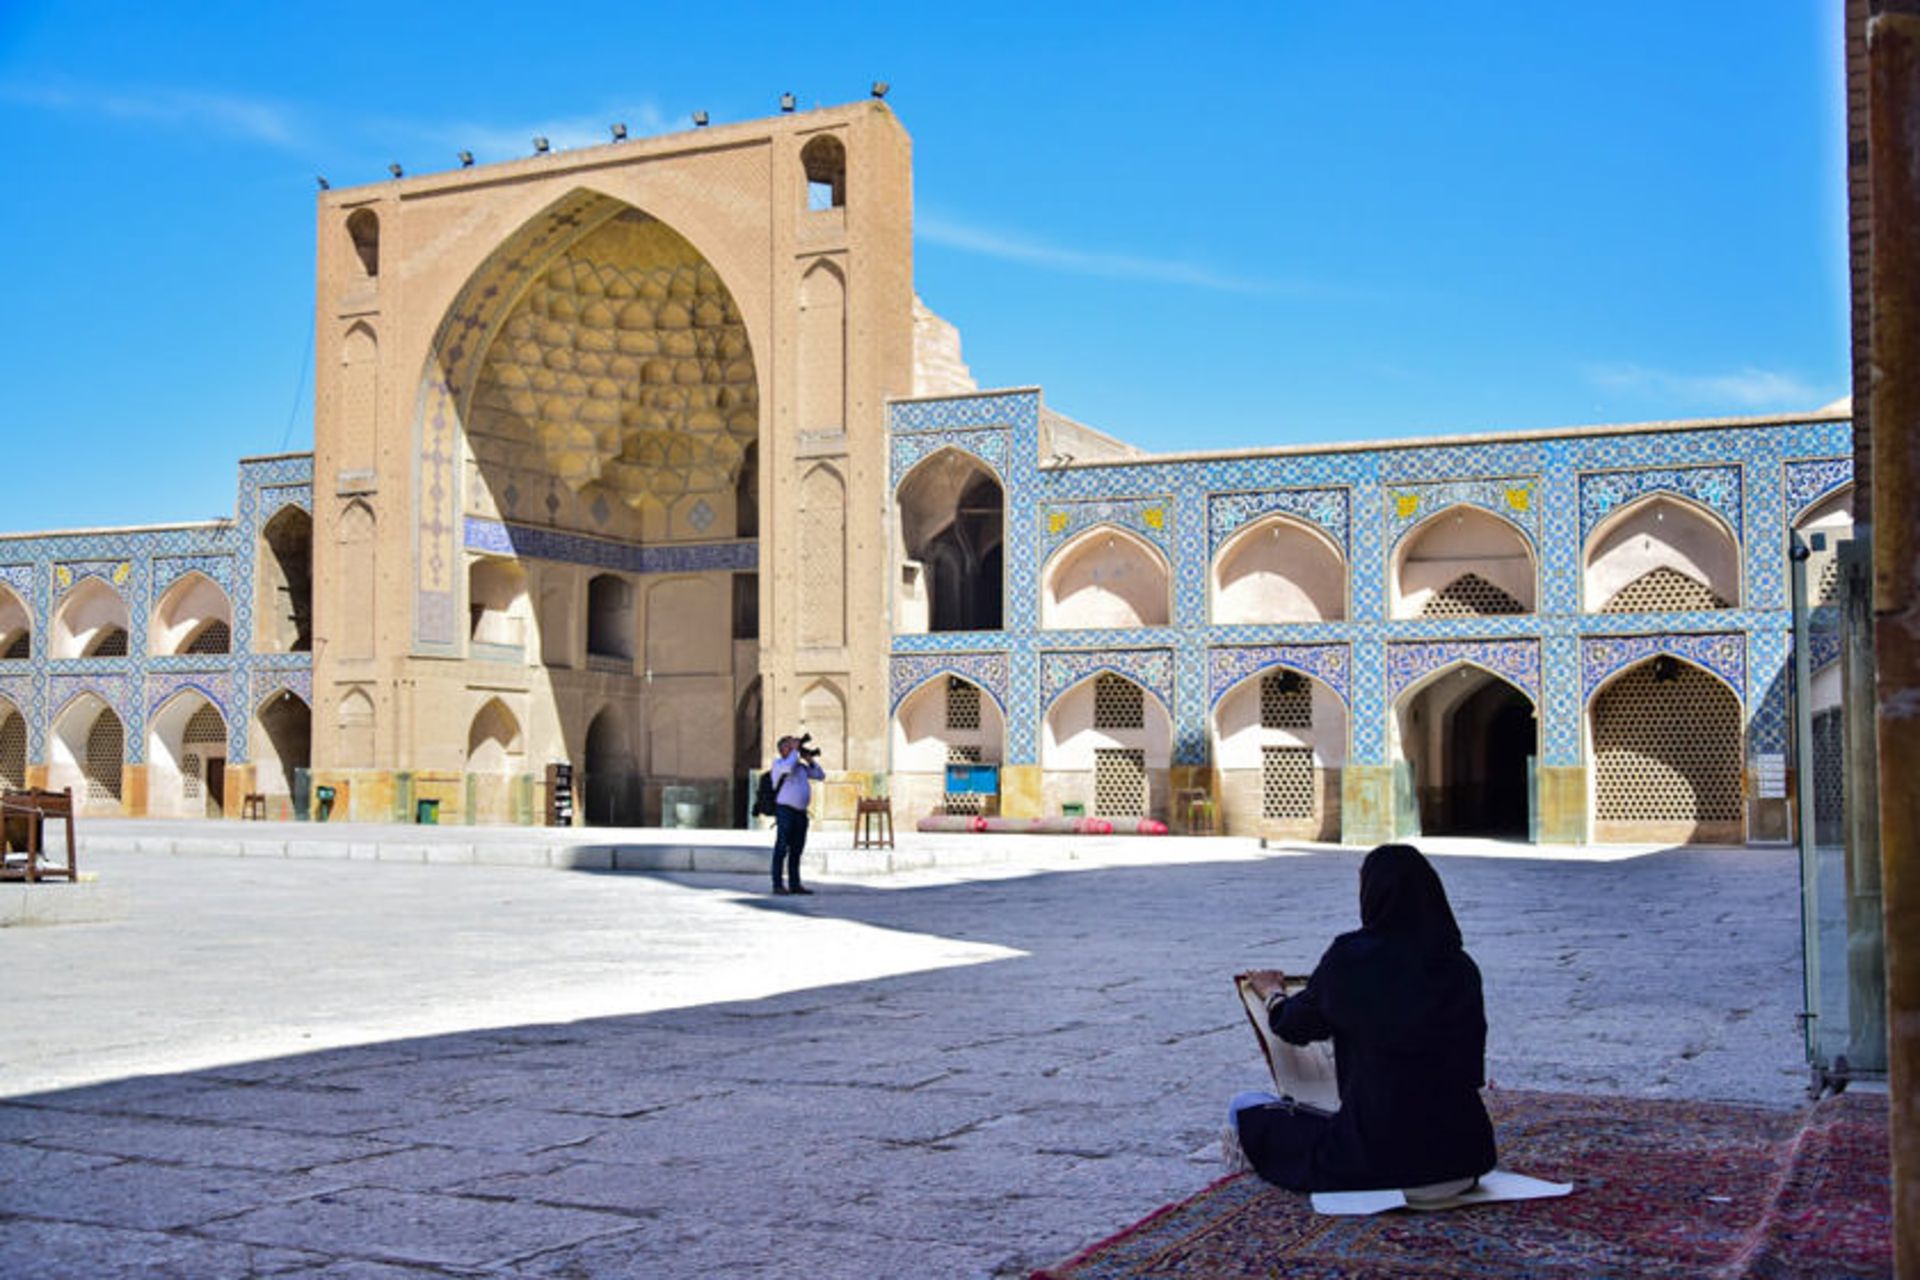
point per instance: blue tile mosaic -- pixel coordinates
(1513, 499)
(1229, 665)
(1228, 513)
(909, 671)
(1809, 480)
(535, 543)
(1515, 661)
(1716, 488)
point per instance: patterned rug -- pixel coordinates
(1663, 1189)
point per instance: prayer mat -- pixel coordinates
(1663, 1189)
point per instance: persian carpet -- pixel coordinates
(1661, 1189)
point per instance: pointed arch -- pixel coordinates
(356, 593)
(1665, 738)
(16, 626)
(283, 608)
(87, 751)
(1464, 560)
(822, 343)
(1466, 736)
(193, 615)
(1105, 577)
(494, 743)
(946, 719)
(354, 723)
(186, 757)
(611, 786)
(950, 527)
(1280, 740)
(90, 621)
(823, 558)
(280, 745)
(823, 713)
(363, 233)
(1661, 531)
(1110, 741)
(13, 747)
(1278, 569)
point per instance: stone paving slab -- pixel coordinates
(366, 1070)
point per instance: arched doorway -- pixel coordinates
(282, 748)
(952, 534)
(1107, 744)
(947, 720)
(187, 758)
(87, 751)
(1104, 578)
(1468, 740)
(611, 788)
(1280, 744)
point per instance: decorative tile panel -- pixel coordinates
(1808, 480)
(536, 543)
(1716, 488)
(1514, 499)
(1228, 513)
(1150, 518)
(908, 671)
(1515, 661)
(1228, 666)
(1723, 653)
(990, 447)
(1151, 669)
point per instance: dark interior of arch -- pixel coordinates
(954, 517)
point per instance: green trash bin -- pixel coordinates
(1073, 809)
(323, 803)
(426, 812)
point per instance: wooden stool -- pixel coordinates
(873, 823)
(254, 806)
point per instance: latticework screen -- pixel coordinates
(1826, 586)
(1118, 703)
(1286, 702)
(1664, 590)
(964, 801)
(1829, 777)
(215, 637)
(204, 729)
(963, 704)
(1666, 751)
(1119, 782)
(1286, 782)
(13, 751)
(1470, 596)
(111, 644)
(101, 769)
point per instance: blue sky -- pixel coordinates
(1257, 224)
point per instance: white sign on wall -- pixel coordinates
(1770, 776)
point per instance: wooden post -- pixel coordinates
(1893, 163)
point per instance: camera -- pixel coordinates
(806, 752)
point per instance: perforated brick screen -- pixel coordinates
(1666, 751)
(963, 704)
(1119, 782)
(1118, 703)
(101, 769)
(1470, 596)
(1286, 702)
(13, 751)
(1286, 782)
(1664, 590)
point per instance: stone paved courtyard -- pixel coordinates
(360, 1069)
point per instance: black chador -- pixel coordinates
(1401, 999)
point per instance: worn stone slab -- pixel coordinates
(208, 1144)
(428, 1168)
(411, 1227)
(56, 902)
(83, 1251)
(68, 1186)
(516, 1130)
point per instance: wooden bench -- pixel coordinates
(23, 816)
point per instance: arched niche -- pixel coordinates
(353, 593)
(1662, 553)
(497, 604)
(823, 348)
(610, 623)
(194, 616)
(13, 747)
(1463, 562)
(282, 742)
(283, 613)
(91, 621)
(824, 162)
(1665, 749)
(1106, 577)
(612, 785)
(187, 758)
(1107, 743)
(1280, 743)
(823, 560)
(363, 233)
(354, 723)
(87, 752)
(951, 512)
(1279, 570)
(16, 627)
(1468, 739)
(1830, 523)
(494, 743)
(947, 720)
(823, 713)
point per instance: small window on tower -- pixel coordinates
(825, 161)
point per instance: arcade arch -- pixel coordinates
(193, 616)
(497, 604)
(947, 720)
(16, 626)
(91, 621)
(1280, 742)
(1107, 743)
(1463, 562)
(1279, 570)
(1468, 739)
(1662, 553)
(281, 745)
(187, 758)
(87, 751)
(13, 747)
(1106, 577)
(611, 788)
(1665, 740)
(951, 512)
(284, 611)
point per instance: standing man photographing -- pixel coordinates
(793, 776)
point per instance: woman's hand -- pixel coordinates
(1267, 983)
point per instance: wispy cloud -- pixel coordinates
(249, 118)
(1746, 387)
(1111, 266)
(495, 141)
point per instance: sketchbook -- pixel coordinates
(1301, 1072)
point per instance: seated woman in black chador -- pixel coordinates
(1401, 1000)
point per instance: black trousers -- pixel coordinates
(789, 842)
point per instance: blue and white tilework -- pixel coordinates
(1229, 665)
(536, 543)
(1151, 669)
(909, 671)
(1554, 488)
(141, 565)
(1150, 518)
